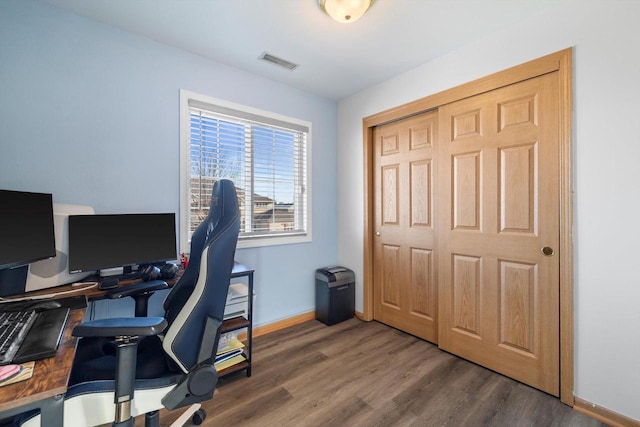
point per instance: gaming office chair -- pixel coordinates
(171, 357)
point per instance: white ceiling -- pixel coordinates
(336, 60)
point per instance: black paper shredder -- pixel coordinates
(335, 294)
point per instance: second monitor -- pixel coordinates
(100, 242)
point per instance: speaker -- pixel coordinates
(151, 272)
(168, 271)
(54, 271)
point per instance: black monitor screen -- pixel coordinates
(106, 241)
(26, 228)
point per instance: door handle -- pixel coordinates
(377, 233)
(547, 251)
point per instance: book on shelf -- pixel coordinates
(225, 338)
(229, 362)
(227, 355)
(230, 344)
(230, 353)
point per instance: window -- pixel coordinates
(264, 154)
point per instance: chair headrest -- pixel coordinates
(224, 204)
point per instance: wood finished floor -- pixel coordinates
(367, 374)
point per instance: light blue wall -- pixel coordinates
(89, 113)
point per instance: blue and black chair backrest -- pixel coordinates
(201, 292)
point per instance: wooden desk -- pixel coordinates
(46, 388)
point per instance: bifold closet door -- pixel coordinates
(405, 291)
(498, 225)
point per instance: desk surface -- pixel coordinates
(49, 375)
(95, 293)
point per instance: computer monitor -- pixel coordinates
(26, 228)
(26, 235)
(100, 242)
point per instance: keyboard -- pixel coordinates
(14, 326)
(27, 335)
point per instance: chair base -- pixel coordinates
(152, 419)
(194, 412)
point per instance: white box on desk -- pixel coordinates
(237, 301)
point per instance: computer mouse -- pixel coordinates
(46, 305)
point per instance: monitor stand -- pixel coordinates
(122, 273)
(13, 280)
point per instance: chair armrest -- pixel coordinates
(121, 326)
(140, 292)
(136, 289)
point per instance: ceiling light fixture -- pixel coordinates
(345, 11)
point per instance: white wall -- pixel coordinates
(606, 151)
(90, 113)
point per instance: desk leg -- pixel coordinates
(52, 412)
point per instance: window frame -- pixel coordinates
(185, 167)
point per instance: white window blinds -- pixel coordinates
(265, 158)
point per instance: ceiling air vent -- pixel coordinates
(267, 57)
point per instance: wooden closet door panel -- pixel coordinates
(405, 290)
(498, 207)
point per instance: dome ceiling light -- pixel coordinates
(345, 11)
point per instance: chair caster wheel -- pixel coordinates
(198, 417)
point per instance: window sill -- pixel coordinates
(256, 242)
